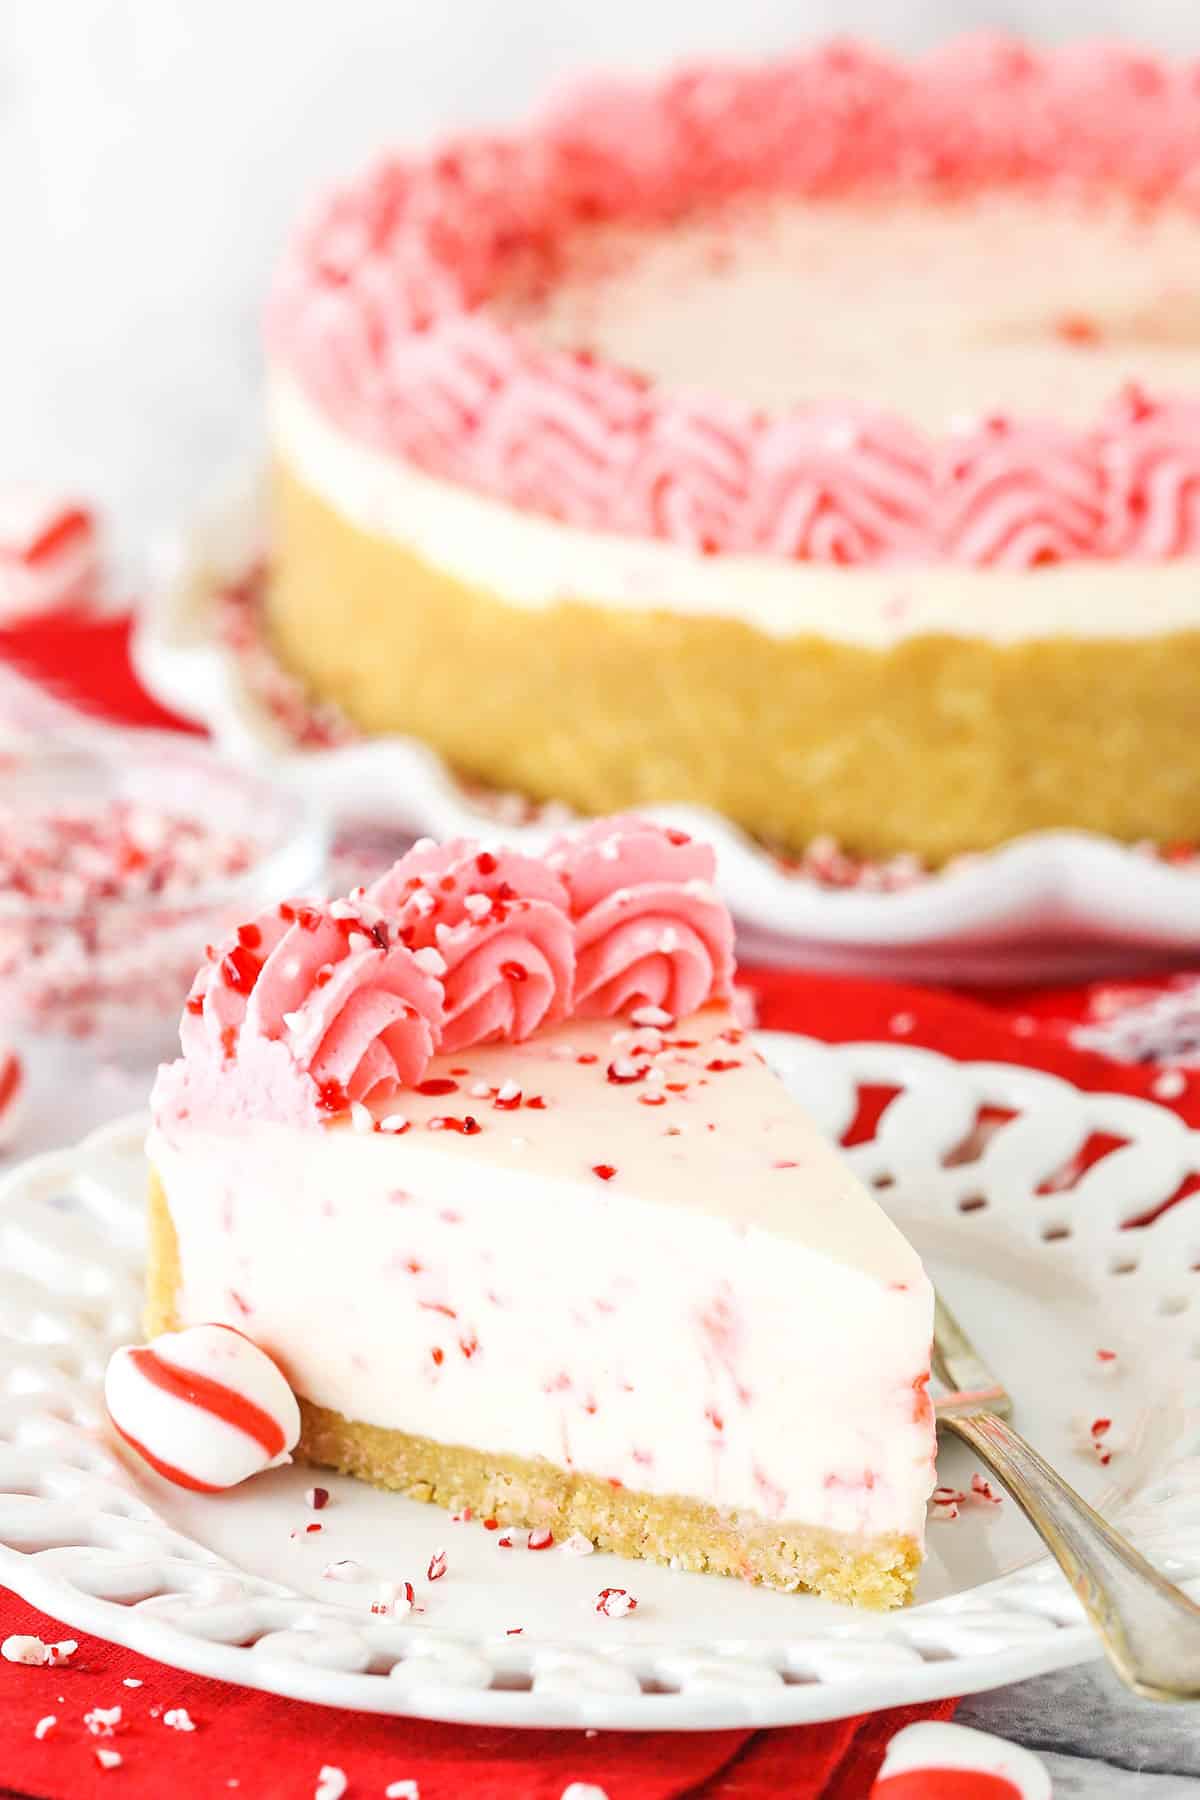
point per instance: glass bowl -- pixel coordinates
(122, 856)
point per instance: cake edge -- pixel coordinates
(531, 1493)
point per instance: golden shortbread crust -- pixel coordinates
(531, 1492)
(938, 745)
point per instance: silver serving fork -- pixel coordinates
(1149, 1628)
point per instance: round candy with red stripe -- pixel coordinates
(204, 1407)
(12, 1095)
(951, 1762)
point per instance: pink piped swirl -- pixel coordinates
(500, 925)
(358, 1014)
(1017, 496)
(1152, 476)
(649, 927)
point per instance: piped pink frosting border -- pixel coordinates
(379, 310)
(316, 1009)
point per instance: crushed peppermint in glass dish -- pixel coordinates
(120, 858)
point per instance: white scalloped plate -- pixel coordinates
(1058, 905)
(217, 1585)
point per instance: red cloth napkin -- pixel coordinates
(274, 1748)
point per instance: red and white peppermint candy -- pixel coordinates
(204, 1407)
(48, 552)
(12, 1095)
(951, 1762)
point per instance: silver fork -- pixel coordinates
(1149, 1628)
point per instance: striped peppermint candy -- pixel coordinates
(951, 1762)
(12, 1095)
(204, 1407)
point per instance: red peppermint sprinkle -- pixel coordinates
(983, 1490)
(604, 1170)
(514, 971)
(485, 862)
(437, 1566)
(437, 1084)
(719, 1065)
(541, 1540)
(239, 969)
(317, 1498)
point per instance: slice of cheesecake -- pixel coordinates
(606, 1279)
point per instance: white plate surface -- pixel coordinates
(217, 1585)
(1058, 905)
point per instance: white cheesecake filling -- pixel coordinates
(536, 563)
(1035, 304)
(727, 1315)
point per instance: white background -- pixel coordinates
(152, 153)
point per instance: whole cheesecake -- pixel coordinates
(816, 441)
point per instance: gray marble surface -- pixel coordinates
(1098, 1741)
(151, 154)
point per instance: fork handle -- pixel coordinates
(1149, 1628)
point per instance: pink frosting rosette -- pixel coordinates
(329, 985)
(499, 922)
(649, 926)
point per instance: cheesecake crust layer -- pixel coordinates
(938, 745)
(531, 1493)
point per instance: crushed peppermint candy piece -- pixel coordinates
(132, 1681)
(305, 1531)
(577, 1545)
(45, 1726)
(945, 1501)
(331, 1783)
(108, 1759)
(1097, 1438)
(437, 1566)
(345, 1569)
(394, 1599)
(652, 1015)
(361, 1117)
(505, 1542)
(982, 1489)
(316, 1497)
(178, 1718)
(29, 1650)
(463, 1517)
(477, 906)
(1106, 1357)
(541, 1540)
(614, 1603)
(102, 1721)
(401, 1790)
